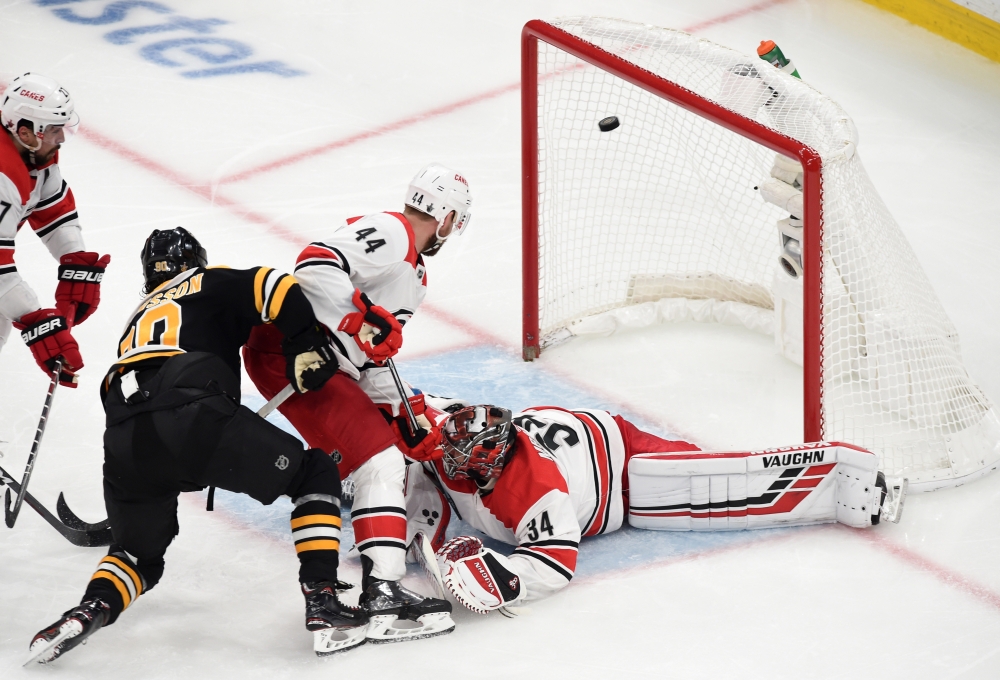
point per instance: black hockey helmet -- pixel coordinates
(168, 253)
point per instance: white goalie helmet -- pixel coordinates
(437, 191)
(40, 100)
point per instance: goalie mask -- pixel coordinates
(40, 101)
(168, 253)
(477, 441)
(438, 191)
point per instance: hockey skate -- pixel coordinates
(399, 615)
(893, 495)
(335, 626)
(72, 629)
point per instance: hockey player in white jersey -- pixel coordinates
(544, 478)
(36, 114)
(365, 281)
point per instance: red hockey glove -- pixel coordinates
(376, 331)
(79, 289)
(425, 445)
(47, 335)
(459, 548)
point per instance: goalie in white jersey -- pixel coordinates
(364, 282)
(544, 478)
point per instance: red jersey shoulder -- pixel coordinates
(12, 165)
(528, 477)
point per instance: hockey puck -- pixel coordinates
(608, 124)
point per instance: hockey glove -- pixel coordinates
(422, 445)
(479, 578)
(47, 335)
(79, 289)
(310, 359)
(374, 328)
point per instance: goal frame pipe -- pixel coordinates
(812, 166)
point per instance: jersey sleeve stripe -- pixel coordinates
(258, 287)
(547, 561)
(53, 199)
(603, 472)
(49, 228)
(550, 542)
(321, 254)
(278, 295)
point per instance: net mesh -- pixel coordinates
(666, 206)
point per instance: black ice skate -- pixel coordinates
(335, 626)
(399, 615)
(72, 629)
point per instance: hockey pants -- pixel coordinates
(341, 417)
(153, 455)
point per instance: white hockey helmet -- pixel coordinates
(437, 191)
(40, 100)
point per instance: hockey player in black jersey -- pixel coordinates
(175, 423)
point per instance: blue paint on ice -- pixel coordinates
(489, 375)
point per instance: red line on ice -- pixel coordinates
(924, 564)
(451, 108)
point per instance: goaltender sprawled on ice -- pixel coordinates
(546, 477)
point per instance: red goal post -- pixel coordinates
(536, 30)
(659, 219)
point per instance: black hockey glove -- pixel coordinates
(310, 359)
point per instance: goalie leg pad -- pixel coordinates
(808, 484)
(484, 581)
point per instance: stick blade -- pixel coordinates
(8, 515)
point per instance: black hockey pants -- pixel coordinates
(183, 431)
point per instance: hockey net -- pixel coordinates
(659, 220)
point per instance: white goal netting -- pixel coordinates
(661, 216)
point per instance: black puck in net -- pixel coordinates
(608, 124)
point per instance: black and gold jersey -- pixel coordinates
(212, 310)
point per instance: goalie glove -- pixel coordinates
(47, 335)
(309, 359)
(479, 578)
(422, 445)
(375, 329)
(79, 290)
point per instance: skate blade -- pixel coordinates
(44, 651)
(335, 640)
(388, 628)
(898, 489)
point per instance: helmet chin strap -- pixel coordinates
(432, 249)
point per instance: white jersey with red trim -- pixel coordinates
(562, 483)
(377, 255)
(41, 198)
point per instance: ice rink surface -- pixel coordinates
(352, 99)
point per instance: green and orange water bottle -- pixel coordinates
(772, 54)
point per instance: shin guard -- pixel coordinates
(378, 515)
(705, 491)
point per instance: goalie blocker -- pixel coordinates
(791, 486)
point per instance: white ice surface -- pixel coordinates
(917, 600)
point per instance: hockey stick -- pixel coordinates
(412, 419)
(80, 537)
(423, 554)
(70, 519)
(10, 516)
(276, 401)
